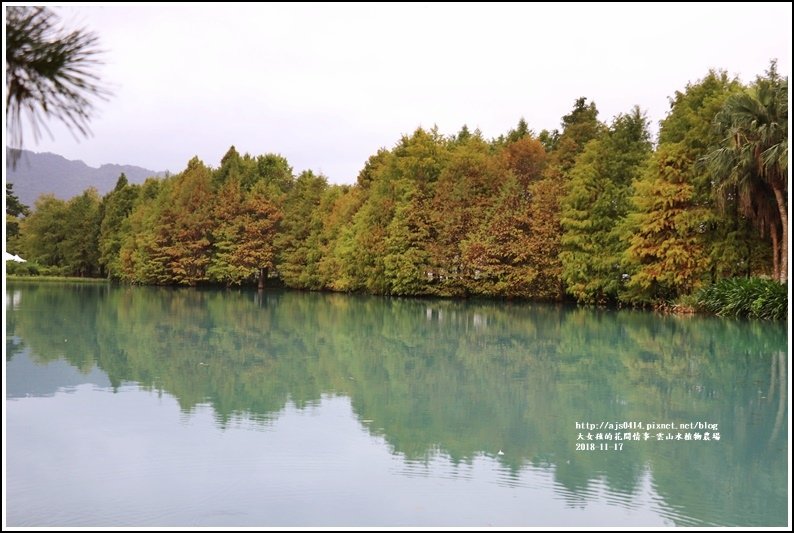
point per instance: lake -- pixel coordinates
(135, 406)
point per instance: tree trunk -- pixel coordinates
(781, 206)
(262, 278)
(775, 251)
(749, 258)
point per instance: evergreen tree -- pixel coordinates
(117, 206)
(258, 244)
(336, 267)
(139, 258)
(407, 259)
(80, 243)
(186, 225)
(666, 252)
(14, 211)
(595, 206)
(298, 259)
(227, 235)
(579, 127)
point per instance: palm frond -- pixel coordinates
(49, 73)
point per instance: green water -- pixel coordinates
(132, 406)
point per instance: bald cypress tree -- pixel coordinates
(595, 206)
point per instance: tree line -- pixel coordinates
(593, 210)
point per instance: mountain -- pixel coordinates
(40, 173)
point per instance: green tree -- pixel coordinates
(80, 244)
(321, 237)
(117, 206)
(415, 163)
(677, 236)
(140, 256)
(549, 139)
(372, 167)
(364, 246)
(667, 252)
(335, 267)
(595, 206)
(43, 231)
(247, 170)
(407, 260)
(689, 130)
(231, 166)
(753, 156)
(14, 207)
(521, 130)
(227, 235)
(579, 127)
(298, 256)
(14, 210)
(275, 171)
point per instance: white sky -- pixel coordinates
(327, 85)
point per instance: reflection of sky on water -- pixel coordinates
(133, 458)
(31, 379)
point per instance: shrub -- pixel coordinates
(21, 269)
(745, 297)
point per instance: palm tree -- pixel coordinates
(751, 164)
(48, 72)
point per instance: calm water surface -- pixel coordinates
(164, 407)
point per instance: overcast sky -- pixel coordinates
(327, 85)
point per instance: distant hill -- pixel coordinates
(40, 173)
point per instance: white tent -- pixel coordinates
(14, 257)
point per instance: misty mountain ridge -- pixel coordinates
(38, 173)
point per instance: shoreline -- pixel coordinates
(682, 310)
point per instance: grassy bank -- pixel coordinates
(38, 279)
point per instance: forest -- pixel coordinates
(597, 212)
